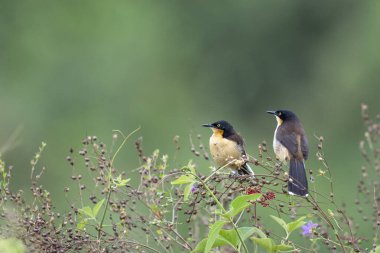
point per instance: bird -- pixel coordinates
(290, 144)
(227, 147)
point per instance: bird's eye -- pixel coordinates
(279, 113)
(218, 125)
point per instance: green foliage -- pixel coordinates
(37, 156)
(269, 245)
(281, 222)
(213, 234)
(91, 212)
(97, 207)
(119, 182)
(152, 213)
(232, 237)
(188, 179)
(228, 237)
(376, 250)
(187, 191)
(240, 203)
(265, 243)
(12, 245)
(201, 246)
(291, 226)
(184, 179)
(47, 87)
(87, 213)
(3, 178)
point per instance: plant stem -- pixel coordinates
(143, 246)
(186, 245)
(213, 173)
(105, 211)
(325, 217)
(122, 144)
(224, 211)
(110, 181)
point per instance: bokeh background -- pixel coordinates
(74, 68)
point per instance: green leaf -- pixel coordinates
(296, 224)
(187, 191)
(12, 245)
(246, 232)
(86, 210)
(184, 179)
(119, 182)
(97, 207)
(220, 241)
(291, 226)
(265, 243)
(281, 222)
(259, 232)
(123, 182)
(213, 234)
(232, 237)
(282, 247)
(190, 167)
(82, 224)
(269, 245)
(154, 208)
(240, 203)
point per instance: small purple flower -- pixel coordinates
(193, 188)
(309, 228)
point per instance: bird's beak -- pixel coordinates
(272, 112)
(207, 125)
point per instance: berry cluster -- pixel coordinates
(265, 196)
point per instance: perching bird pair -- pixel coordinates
(289, 144)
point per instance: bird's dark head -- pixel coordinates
(283, 115)
(221, 127)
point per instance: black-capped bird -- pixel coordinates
(290, 144)
(227, 147)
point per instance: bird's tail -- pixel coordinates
(246, 170)
(297, 184)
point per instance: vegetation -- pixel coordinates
(179, 209)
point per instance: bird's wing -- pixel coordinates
(304, 146)
(239, 140)
(293, 141)
(288, 140)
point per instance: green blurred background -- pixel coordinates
(72, 68)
